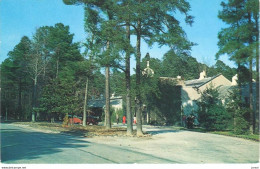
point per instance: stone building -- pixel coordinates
(116, 102)
(192, 90)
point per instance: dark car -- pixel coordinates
(92, 120)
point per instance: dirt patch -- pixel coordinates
(78, 130)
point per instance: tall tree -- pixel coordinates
(35, 66)
(17, 57)
(152, 20)
(240, 40)
(103, 15)
(155, 21)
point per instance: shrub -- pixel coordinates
(217, 118)
(212, 114)
(239, 111)
(65, 120)
(241, 125)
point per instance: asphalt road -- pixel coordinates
(22, 145)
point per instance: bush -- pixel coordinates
(239, 111)
(221, 116)
(241, 125)
(212, 114)
(65, 120)
(216, 118)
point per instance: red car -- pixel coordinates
(90, 120)
(76, 120)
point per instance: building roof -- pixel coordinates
(174, 81)
(198, 83)
(100, 103)
(224, 91)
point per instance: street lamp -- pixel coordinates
(148, 72)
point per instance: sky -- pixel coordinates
(20, 18)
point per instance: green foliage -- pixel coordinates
(120, 113)
(217, 118)
(60, 76)
(161, 97)
(239, 112)
(238, 39)
(65, 120)
(15, 81)
(117, 83)
(169, 102)
(241, 124)
(174, 65)
(221, 67)
(211, 113)
(254, 137)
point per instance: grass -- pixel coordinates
(254, 137)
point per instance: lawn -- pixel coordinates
(254, 137)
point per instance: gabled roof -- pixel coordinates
(174, 81)
(198, 83)
(224, 91)
(100, 103)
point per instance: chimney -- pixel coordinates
(234, 80)
(202, 75)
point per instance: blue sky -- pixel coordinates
(22, 17)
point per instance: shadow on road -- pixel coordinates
(162, 131)
(19, 144)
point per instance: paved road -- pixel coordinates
(21, 145)
(26, 146)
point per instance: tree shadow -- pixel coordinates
(22, 145)
(76, 132)
(162, 131)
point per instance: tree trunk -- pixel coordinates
(128, 87)
(52, 120)
(256, 17)
(148, 117)
(138, 81)
(34, 99)
(107, 111)
(257, 85)
(85, 104)
(20, 100)
(252, 113)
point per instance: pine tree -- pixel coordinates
(240, 39)
(18, 71)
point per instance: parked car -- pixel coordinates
(78, 120)
(92, 120)
(75, 120)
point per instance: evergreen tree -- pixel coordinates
(154, 21)
(178, 65)
(101, 15)
(14, 71)
(32, 61)
(211, 113)
(239, 112)
(240, 39)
